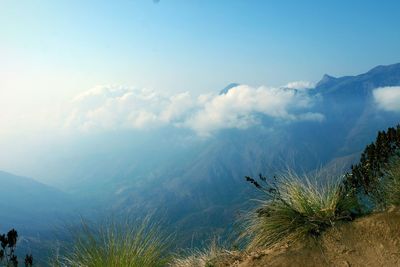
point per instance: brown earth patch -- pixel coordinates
(370, 241)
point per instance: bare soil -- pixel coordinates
(370, 241)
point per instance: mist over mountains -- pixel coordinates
(187, 161)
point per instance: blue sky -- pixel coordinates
(198, 45)
(51, 51)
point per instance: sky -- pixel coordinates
(53, 51)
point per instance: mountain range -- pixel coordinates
(197, 184)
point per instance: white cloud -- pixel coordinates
(111, 107)
(177, 106)
(241, 106)
(300, 85)
(388, 98)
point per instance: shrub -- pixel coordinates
(391, 183)
(8, 244)
(294, 209)
(129, 244)
(366, 175)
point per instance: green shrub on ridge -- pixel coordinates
(391, 184)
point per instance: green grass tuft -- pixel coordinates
(111, 244)
(295, 209)
(206, 257)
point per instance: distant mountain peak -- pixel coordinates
(326, 79)
(361, 85)
(382, 68)
(227, 88)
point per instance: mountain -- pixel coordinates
(29, 206)
(350, 109)
(228, 87)
(199, 185)
(37, 211)
(196, 184)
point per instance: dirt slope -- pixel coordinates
(370, 241)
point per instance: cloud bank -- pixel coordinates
(116, 107)
(388, 98)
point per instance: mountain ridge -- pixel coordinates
(198, 184)
(212, 174)
(24, 203)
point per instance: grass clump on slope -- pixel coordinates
(206, 257)
(111, 244)
(295, 208)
